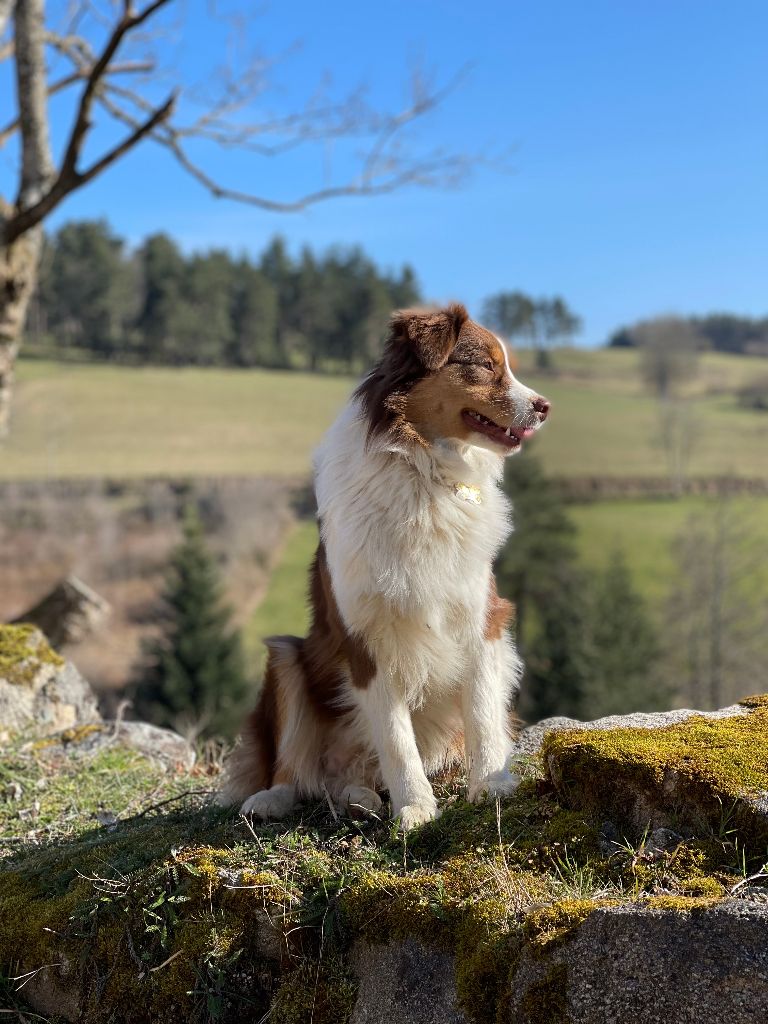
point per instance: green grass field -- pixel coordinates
(86, 420)
(81, 420)
(284, 608)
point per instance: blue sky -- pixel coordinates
(639, 137)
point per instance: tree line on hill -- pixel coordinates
(158, 305)
(720, 332)
(96, 299)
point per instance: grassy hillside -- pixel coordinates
(82, 420)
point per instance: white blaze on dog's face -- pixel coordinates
(468, 391)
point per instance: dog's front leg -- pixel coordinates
(486, 722)
(390, 727)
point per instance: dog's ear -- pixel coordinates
(432, 334)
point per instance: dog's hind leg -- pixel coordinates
(274, 803)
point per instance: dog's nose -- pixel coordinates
(542, 407)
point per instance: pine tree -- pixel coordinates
(586, 639)
(560, 661)
(624, 675)
(192, 677)
(537, 571)
(538, 561)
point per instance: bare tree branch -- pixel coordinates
(82, 124)
(75, 179)
(129, 67)
(383, 169)
(32, 210)
(383, 165)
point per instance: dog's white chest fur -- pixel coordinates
(409, 554)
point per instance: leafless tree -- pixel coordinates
(105, 44)
(717, 621)
(669, 354)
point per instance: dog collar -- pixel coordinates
(468, 493)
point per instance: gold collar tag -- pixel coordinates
(468, 493)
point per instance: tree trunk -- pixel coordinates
(20, 258)
(19, 264)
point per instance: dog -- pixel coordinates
(408, 664)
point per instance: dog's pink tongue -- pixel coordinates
(528, 432)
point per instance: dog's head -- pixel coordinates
(444, 376)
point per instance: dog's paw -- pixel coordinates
(496, 785)
(274, 803)
(417, 814)
(359, 798)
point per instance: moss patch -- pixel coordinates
(22, 651)
(322, 993)
(691, 775)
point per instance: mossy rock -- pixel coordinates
(23, 651)
(39, 691)
(705, 775)
(168, 908)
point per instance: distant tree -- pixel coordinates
(588, 645)
(540, 322)
(162, 271)
(725, 332)
(722, 332)
(542, 549)
(159, 305)
(511, 314)
(206, 313)
(668, 354)
(254, 313)
(624, 673)
(404, 289)
(560, 663)
(623, 338)
(717, 611)
(192, 677)
(669, 359)
(88, 287)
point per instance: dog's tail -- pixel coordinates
(252, 765)
(281, 740)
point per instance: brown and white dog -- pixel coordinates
(407, 661)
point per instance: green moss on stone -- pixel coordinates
(22, 651)
(714, 763)
(545, 926)
(315, 993)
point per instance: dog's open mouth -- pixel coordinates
(506, 437)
